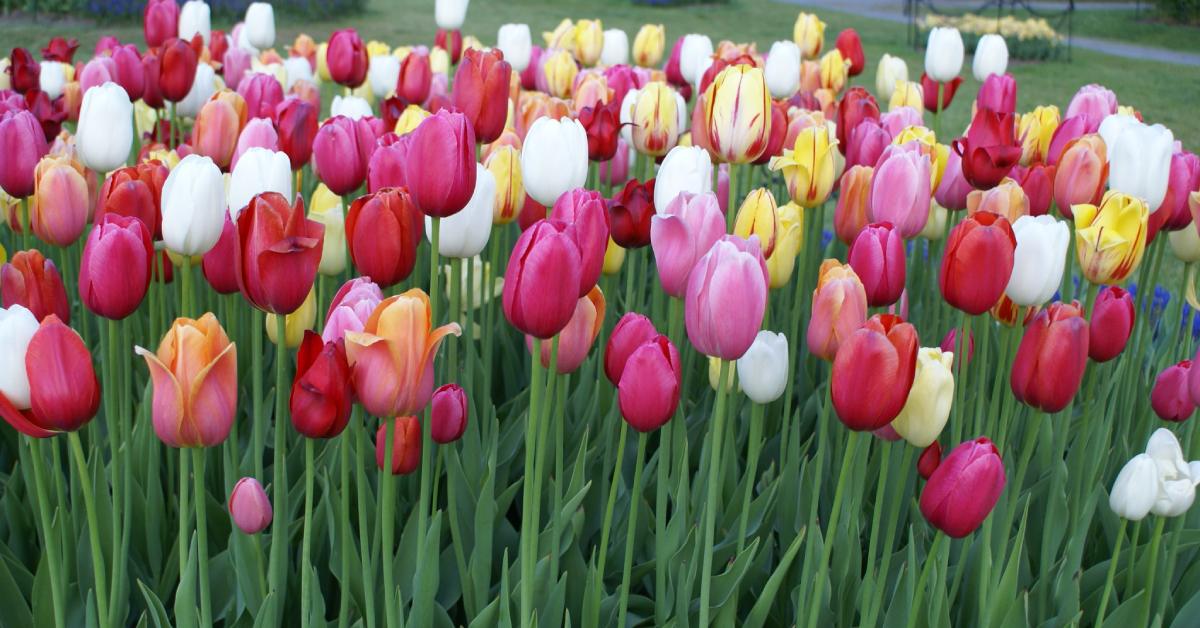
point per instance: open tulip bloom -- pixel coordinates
(613, 324)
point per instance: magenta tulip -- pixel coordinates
(964, 488)
(877, 257)
(119, 242)
(441, 169)
(545, 255)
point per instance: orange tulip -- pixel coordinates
(839, 308)
(216, 131)
(59, 211)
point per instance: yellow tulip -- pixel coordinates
(169, 158)
(935, 227)
(296, 323)
(1110, 239)
(835, 70)
(439, 61)
(887, 73)
(589, 41)
(409, 119)
(929, 400)
(614, 258)
(655, 118)
(1035, 131)
(788, 243)
(906, 94)
(809, 34)
(809, 167)
(758, 216)
(648, 45)
(560, 69)
(5, 79)
(562, 37)
(472, 42)
(505, 165)
(938, 154)
(145, 117)
(714, 375)
(326, 208)
(322, 62)
(377, 48)
(737, 114)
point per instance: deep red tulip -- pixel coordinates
(602, 124)
(177, 69)
(978, 262)
(23, 145)
(630, 212)
(964, 488)
(383, 230)
(998, 93)
(322, 393)
(1038, 183)
(531, 212)
(160, 22)
(1111, 324)
(346, 58)
(877, 257)
(929, 460)
(406, 444)
(218, 266)
(218, 45)
(296, 123)
(117, 242)
(481, 92)
(873, 372)
(857, 105)
(779, 132)
(31, 280)
(1171, 398)
(631, 332)
(649, 388)
(60, 49)
(450, 41)
(929, 92)
(849, 44)
(277, 253)
(950, 345)
(262, 93)
(151, 74)
(135, 191)
(341, 151)
(584, 211)
(24, 70)
(386, 169)
(415, 79)
(130, 74)
(448, 414)
(441, 165)
(50, 114)
(546, 254)
(989, 150)
(64, 391)
(1051, 358)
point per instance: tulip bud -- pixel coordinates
(944, 54)
(964, 488)
(648, 45)
(1051, 359)
(762, 370)
(346, 58)
(341, 151)
(160, 22)
(576, 339)
(546, 254)
(32, 281)
(193, 206)
(877, 256)
(514, 41)
(277, 254)
(23, 145)
(406, 444)
(758, 216)
(554, 159)
(105, 131)
(928, 406)
(195, 19)
(809, 34)
(465, 234)
(978, 262)
(59, 208)
(788, 242)
(1140, 162)
(900, 190)
(1135, 489)
(1038, 259)
(929, 460)
(839, 307)
(1081, 173)
(202, 89)
(732, 272)
(615, 49)
(322, 394)
(295, 323)
(118, 242)
(259, 171)
(630, 214)
(684, 169)
(883, 349)
(809, 168)
(448, 414)
(249, 506)
(736, 119)
(505, 167)
(350, 308)
(650, 385)
(783, 69)
(1171, 398)
(991, 56)
(1111, 324)
(890, 72)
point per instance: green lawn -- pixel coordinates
(1164, 93)
(1145, 29)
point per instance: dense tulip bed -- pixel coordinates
(341, 333)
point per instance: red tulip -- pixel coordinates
(50, 115)
(441, 166)
(177, 69)
(32, 281)
(779, 133)
(531, 212)
(481, 92)
(964, 488)
(406, 444)
(849, 44)
(346, 58)
(263, 95)
(296, 122)
(23, 145)
(60, 49)
(873, 372)
(1051, 358)
(602, 125)
(978, 262)
(629, 214)
(135, 192)
(1111, 324)
(990, 149)
(856, 106)
(998, 93)
(322, 394)
(929, 460)
(1171, 398)
(151, 74)
(64, 391)
(950, 345)
(584, 211)
(1038, 183)
(383, 230)
(118, 242)
(24, 70)
(129, 73)
(450, 41)
(160, 22)
(448, 414)
(218, 266)
(341, 151)
(649, 388)
(929, 92)
(218, 45)
(415, 79)
(631, 332)
(386, 169)
(877, 257)
(546, 254)
(277, 253)
(1184, 178)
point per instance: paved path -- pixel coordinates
(894, 12)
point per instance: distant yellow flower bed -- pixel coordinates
(1027, 38)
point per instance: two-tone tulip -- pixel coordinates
(60, 205)
(32, 281)
(736, 118)
(839, 307)
(809, 167)
(1081, 174)
(1110, 239)
(758, 216)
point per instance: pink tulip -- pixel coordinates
(237, 62)
(1170, 398)
(631, 332)
(680, 234)
(867, 142)
(586, 213)
(249, 506)
(648, 392)
(129, 73)
(441, 168)
(447, 414)
(1068, 131)
(839, 308)
(998, 93)
(964, 488)
(1094, 103)
(119, 242)
(726, 298)
(900, 189)
(546, 254)
(899, 119)
(218, 265)
(258, 133)
(350, 308)
(953, 190)
(23, 145)
(386, 169)
(98, 71)
(877, 257)
(615, 171)
(262, 93)
(341, 151)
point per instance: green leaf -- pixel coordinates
(16, 610)
(154, 607)
(766, 597)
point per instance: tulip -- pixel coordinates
(32, 281)
(685, 169)
(809, 34)
(18, 325)
(406, 444)
(852, 213)
(248, 504)
(350, 308)
(978, 262)
(758, 216)
(258, 171)
(654, 118)
(326, 208)
(998, 93)
(953, 191)
(160, 22)
(648, 45)
(448, 414)
(195, 19)
(584, 212)
(695, 54)
(782, 70)
(201, 90)
(991, 56)
(928, 406)
(726, 298)
(1135, 490)
(194, 377)
(877, 256)
(1081, 174)
(450, 14)
(23, 145)
(839, 307)
(105, 131)
(1183, 179)
(762, 371)
(217, 264)
(392, 358)
(546, 254)
(386, 167)
(577, 338)
(1185, 244)
(351, 107)
(55, 382)
(215, 134)
(258, 133)
(615, 50)
(52, 79)
(1037, 183)
(193, 206)
(809, 168)
(1093, 103)
(1174, 487)
(900, 190)
(884, 349)
(932, 91)
(1038, 260)
(1035, 131)
(383, 75)
(631, 332)
(441, 169)
(850, 45)
(650, 384)
(466, 233)
(58, 211)
(1111, 323)
(294, 324)
(346, 58)
(177, 69)
(341, 151)
(117, 242)
(683, 232)
(964, 488)
(260, 25)
(601, 124)
(277, 254)
(1111, 238)
(1051, 359)
(1170, 398)
(944, 54)
(736, 118)
(990, 149)
(514, 41)
(890, 72)
(415, 78)
(262, 94)
(835, 71)
(630, 214)
(1140, 163)
(1006, 199)
(505, 168)
(322, 394)
(788, 242)
(554, 159)
(481, 93)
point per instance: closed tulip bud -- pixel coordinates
(545, 254)
(1140, 162)
(883, 349)
(835, 71)
(466, 233)
(1111, 324)
(978, 262)
(441, 171)
(989, 150)
(258, 133)
(450, 14)
(59, 208)
(685, 169)
(414, 79)
(998, 93)
(217, 265)
(655, 119)
(1036, 131)
(1038, 260)
(341, 151)
(23, 145)
(900, 189)
(481, 93)
(195, 356)
(809, 34)
(350, 308)
(850, 45)
(32, 281)
(758, 216)
(736, 119)
(202, 89)
(249, 506)
(215, 134)
(558, 72)
(515, 42)
(119, 242)
(383, 231)
(178, 64)
(584, 212)
(448, 414)
(260, 25)
(726, 298)
(928, 406)
(322, 395)
(577, 338)
(965, 487)
(346, 58)
(856, 107)
(1171, 398)
(406, 444)
(193, 206)
(788, 243)
(386, 167)
(929, 460)
(1136, 488)
(615, 50)
(852, 212)
(505, 167)
(877, 257)
(648, 45)
(258, 171)
(783, 69)
(1006, 199)
(684, 231)
(839, 307)
(18, 325)
(278, 252)
(1037, 181)
(1051, 359)
(991, 57)
(326, 208)
(1185, 244)
(809, 167)
(105, 131)
(944, 54)
(1092, 103)
(1184, 178)
(890, 71)
(1111, 238)
(262, 93)
(554, 159)
(195, 19)
(383, 75)
(352, 107)
(49, 375)
(1081, 174)
(762, 370)
(650, 384)
(160, 22)
(630, 214)
(296, 125)
(295, 324)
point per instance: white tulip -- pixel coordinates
(5, 79)
(991, 56)
(466, 233)
(17, 326)
(383, 74)
(1038, 260)
(203, 88)
(450, 14)
(352, 107)
(616, 47)
(260, 25)
(927, 408)
(243, 41)
(887, 73)
(554, 158)
(52, 79)
(105, 132)
(1139, 159)
(625, 114)
(944, 54)
(258, 170)
(298, 69)
(193, 206)
(684, 169)
(696, 51)
(698, 78)
(682, 116)
(1176, 486)
(515, 42)
(783, 69)
(1135, 489)
(195, 18)
(1185, 243)
(763, 369)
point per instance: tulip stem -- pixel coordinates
(754, 449)
(279, 524)
(608, 513)
(635, 499)
(185, 272)
(427, 472)
(24, 223)
(344, 524)
(834, 518)
(366, 557)
(1152, 569)
(38, 462)
(716, 435)
(735, 176)
(306, 543)
(388, 496)
(1112, 572)
(259, 422)
(89, 503)
(529, 525)
(919, 597)
(202, 536)
(185, 509)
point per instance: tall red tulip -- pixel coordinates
(856, 106)
(990, 149)
(322, 394)
(383, 230)
(877, 257)
(118, 242)
(177, 63)
(152, 75)
(346, 58)
(218, 265)
(1111, 324)
(602, 125)
(296, 122)
(1051, 358)
(546, 254)
(481, 92)
(964, 488)
(450, 41)
(64, 391)
(441, 165)
(873, 372)
(135, 191)
(341, 151)
(978, 262)
(650, 384)
(160, 22)
(31, 280)
(850, 45)
(931, 88)
(415, 79)
(277, 254)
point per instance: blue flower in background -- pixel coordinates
(826, 238)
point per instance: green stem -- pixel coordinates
(1152, 569)
(753, 449)
(1112, 572)
(1132, 570)
(834, 518)
(202, 536)
(347, 543)
(38, 462)
(306, 542)
(185, 509)
(427, 472)
(258, 427)
(560, 418)
(89, 503)
(530, 527)
(279, 526)
(635, 499)
(732, 208)
(919, 598)
(716, 436)
(366, 557)
(388, 498)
